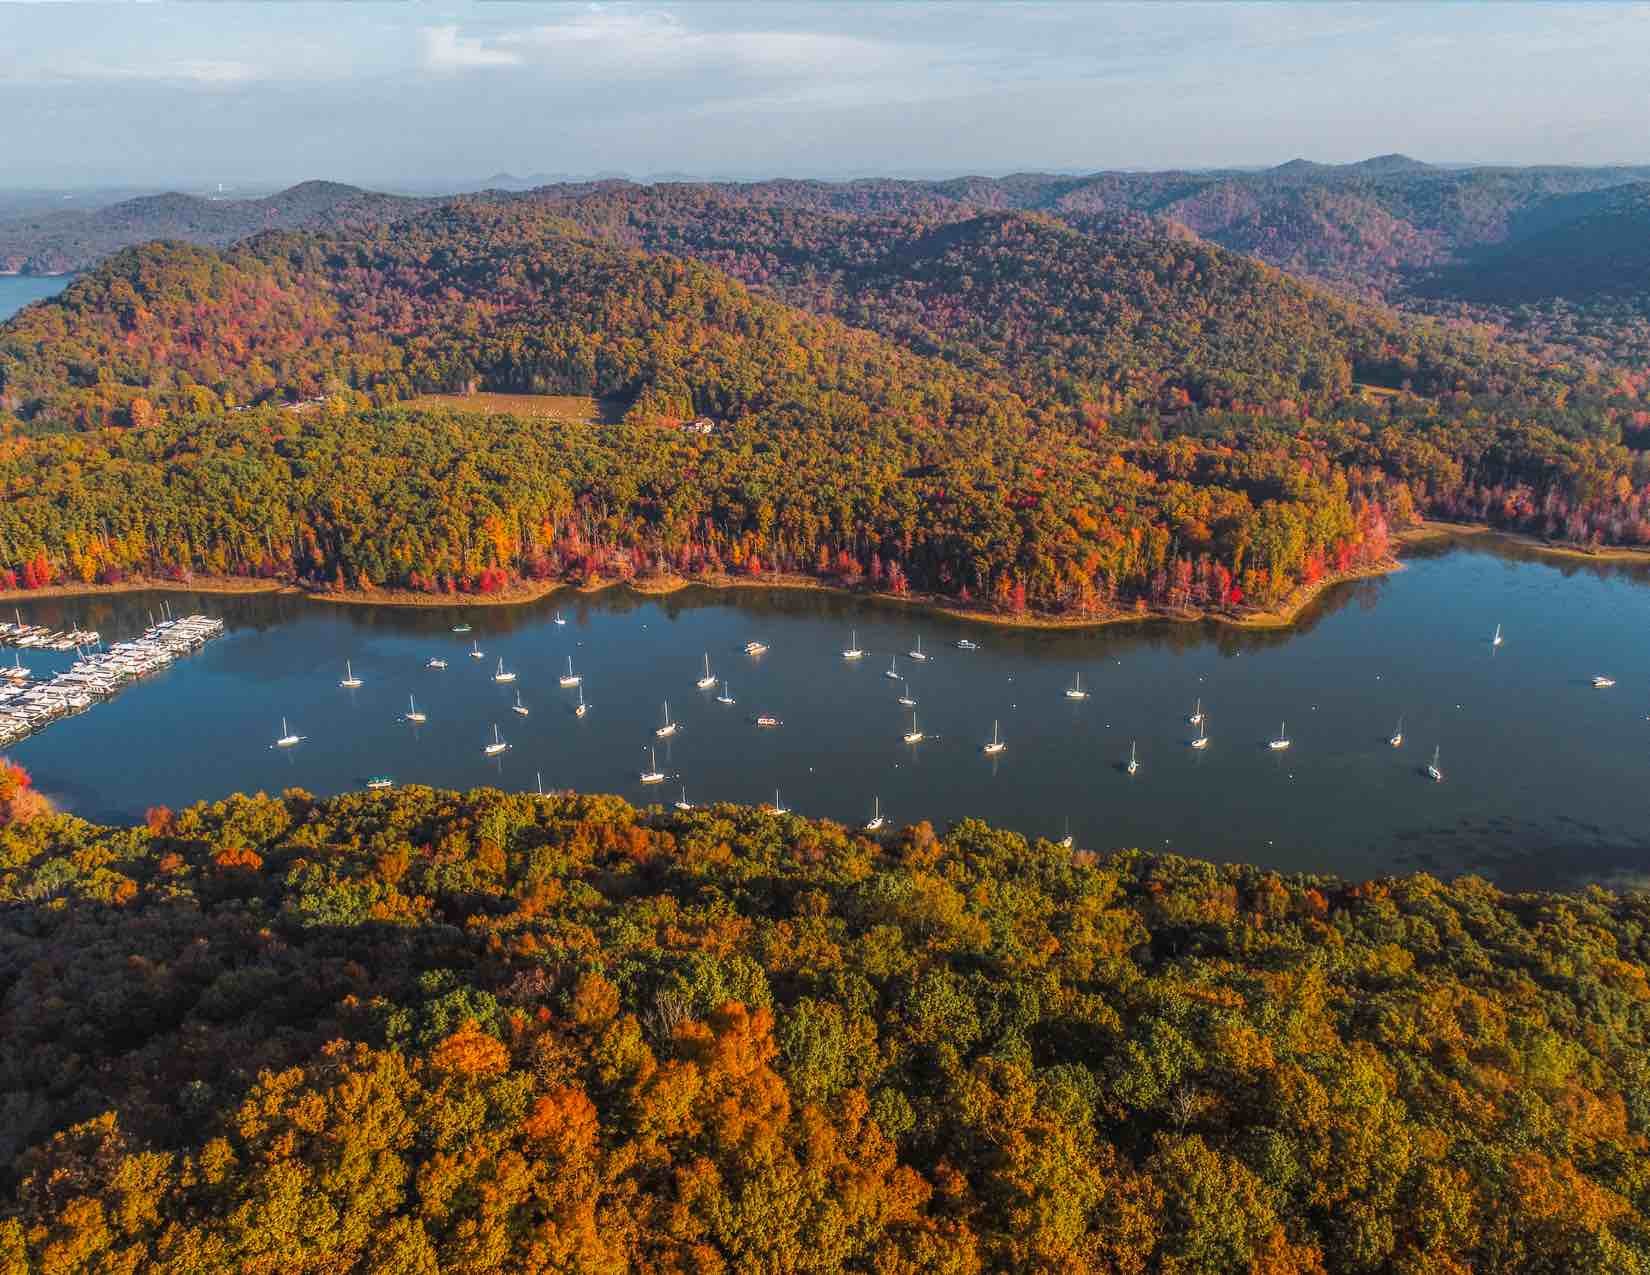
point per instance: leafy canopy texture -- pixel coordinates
(485, 1032)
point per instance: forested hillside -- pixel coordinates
(58, 242)
(492, 1032)
(1102, 424)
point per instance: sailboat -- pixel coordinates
(435, 661)
(582, 708)
(682, 803)
(1433, 772)
(570, 678)
(518, 706)
(1196, 719)
(707, 681)
(1281, 742)
(1066, 841)
(1202, 740)
(893, 670)
(287, 739)
(501, 675)
(497, 746)
(653, 775)
(725, 697)
(852, 651)
(1397, 740)
(905, 696)
(1496, 640)
(349, 681)
(669, 727)
(913, 736)
(876, 821)
(1075, 690)
(413, 714)
(1134, 762)
(779, 807)
(560, 620)
(995, 746)
(476, 653)
(917, 653)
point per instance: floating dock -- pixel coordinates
(28, 705)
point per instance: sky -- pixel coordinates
(425, 93)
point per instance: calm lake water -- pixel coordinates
(1546, 778)
(16, 291)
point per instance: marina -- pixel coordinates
(997, 734)
(28, 704)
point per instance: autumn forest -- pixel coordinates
(428, 1031)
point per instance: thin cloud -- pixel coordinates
(446, 51)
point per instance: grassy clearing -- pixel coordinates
(560, 407)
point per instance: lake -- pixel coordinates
(1545, 777)
(16, 291)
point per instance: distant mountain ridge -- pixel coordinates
(64, 241)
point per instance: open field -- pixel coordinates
(560, 407)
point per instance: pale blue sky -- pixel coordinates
(387, 93)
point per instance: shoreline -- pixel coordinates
(1282, 615)
(1433, 530)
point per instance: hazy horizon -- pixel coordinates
(393, 96)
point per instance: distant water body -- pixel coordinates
(1547, 780)
(16, 290)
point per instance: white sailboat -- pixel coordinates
(726, 697)
(414, 714)
(905, 697)
(1433, 771)
(570, 678)
(1282, 741)
(1202, 740)
(1066, 841)
(560, 620)
(502, 675)
(582, 707)
(653, 775)
(876, 821)
(914, 735)
(852, 651)
(1397, 740)
(349, 681)
(682, 803)
(1075, 690)
(497, 745)
(1196, 719)
(1496, 640)
(707, 681)
(518, 706)
(1134, 761)
(893, 669)
(476, 653)
(995, 745)
(435, 661)
(287, 739)
(669, 728)
(916, 652)
(779, 807)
